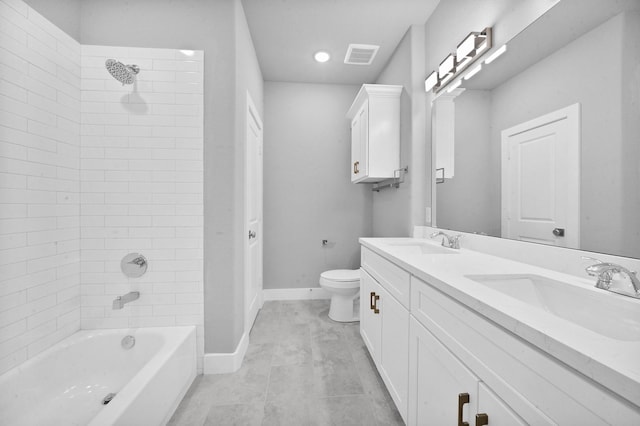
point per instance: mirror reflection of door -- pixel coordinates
(541, 179)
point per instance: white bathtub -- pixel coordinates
(65, 385)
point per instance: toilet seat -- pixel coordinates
(341, 275)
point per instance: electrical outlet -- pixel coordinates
(427, 215)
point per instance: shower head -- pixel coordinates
(125, 74)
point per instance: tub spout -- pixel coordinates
(120, 301)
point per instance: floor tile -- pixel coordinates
(301, 368)
(235, 415)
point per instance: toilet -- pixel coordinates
(344, 287)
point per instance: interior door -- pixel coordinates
(541, 179)
(253, 209)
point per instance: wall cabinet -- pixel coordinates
(375, 133)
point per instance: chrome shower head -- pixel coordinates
(125, 74)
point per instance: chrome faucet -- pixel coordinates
(604, 273)
(452, 242)
(120, 301)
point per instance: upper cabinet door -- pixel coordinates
(375, 133)
(359, 145)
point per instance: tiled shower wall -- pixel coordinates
(78, 192)
(141, 188)
(39, 184)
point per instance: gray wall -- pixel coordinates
(65, 14)
(218, 28)
(396, 211)
(308, 195)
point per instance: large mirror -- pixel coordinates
(547, 136)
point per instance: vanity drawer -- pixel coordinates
(394, 279)
(535, 385)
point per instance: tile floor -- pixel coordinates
(301, 368)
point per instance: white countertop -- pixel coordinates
(615, 364)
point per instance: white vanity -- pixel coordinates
(465, 336)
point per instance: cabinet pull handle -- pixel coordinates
(371, 303)
(463, 398)
(355, 168)
(375, 304)
(482, 419)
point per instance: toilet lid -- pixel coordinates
(341, 275)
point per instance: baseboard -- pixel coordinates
(310, 293)
(221, 363)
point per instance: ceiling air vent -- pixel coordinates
(361, 54)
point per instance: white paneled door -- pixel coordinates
(253, 209)
(541, 179)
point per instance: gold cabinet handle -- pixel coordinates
(375, 304)
(463, 398)
(355, 168)
(372, 304)
(482, 419)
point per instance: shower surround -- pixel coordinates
(90, 171)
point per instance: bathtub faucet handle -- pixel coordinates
(140, 261)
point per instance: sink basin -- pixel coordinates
(418, 247)
(606, 314)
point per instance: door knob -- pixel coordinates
(252, 234)
(558, 232)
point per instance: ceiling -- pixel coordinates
(286, 34)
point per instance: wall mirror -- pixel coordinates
(511, 154)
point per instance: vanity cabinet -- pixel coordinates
(384, 325)
(375, 133)
(444, 362)
(444, 391)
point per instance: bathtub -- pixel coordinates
(66, 384)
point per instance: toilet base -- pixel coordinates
(344, 309)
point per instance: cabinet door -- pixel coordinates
(498, 413)
(436, 380)
(359, 144)
(370, 321)
(394, 349)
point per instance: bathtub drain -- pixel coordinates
(107, 399)
(128, 342)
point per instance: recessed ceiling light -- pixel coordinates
(321, 56)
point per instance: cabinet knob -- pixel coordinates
(482, 419)
(463, 398)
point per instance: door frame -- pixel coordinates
(572, 116)
(252, 115)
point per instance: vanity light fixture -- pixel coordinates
(496, 54)
(321, 56)
(468, 51)
(431, 81)
(447, 69)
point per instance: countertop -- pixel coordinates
(615, 364)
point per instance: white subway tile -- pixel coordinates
(11, 241)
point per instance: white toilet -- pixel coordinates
(344, 287)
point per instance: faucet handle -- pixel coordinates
(455, 241)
